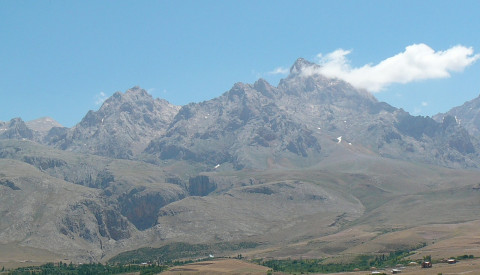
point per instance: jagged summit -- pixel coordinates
(122, 127)
(251, 124)
(15, 129)
(135, 94)
(300, 64)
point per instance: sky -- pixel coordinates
(63, 58)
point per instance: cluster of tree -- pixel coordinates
(88, 269)
(463, 257)
(307, 266)
(171, 252)
(362, 262)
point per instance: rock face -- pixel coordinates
(15, 129)
(108, 223)
(79, 205)
(467, 115)
(243, 127)
(200, 186)
(141, 205)
(121, 128)
(294, 124)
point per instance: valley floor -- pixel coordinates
(230, 266)
(471, 267)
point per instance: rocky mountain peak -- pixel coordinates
(15, 129)
(135, 95)
(300, 65)
(135, 102)
(260, 93)
(123, 125)
(306, 83)
(15, 121)
(43, 124)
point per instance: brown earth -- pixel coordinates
(13, 256)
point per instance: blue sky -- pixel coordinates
(60, 58)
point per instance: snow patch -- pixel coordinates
(339, 139)
(216, 166)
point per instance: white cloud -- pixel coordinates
(279, 70)
(424, 104)
(417, 62)
(100, 98)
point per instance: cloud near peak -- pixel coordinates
(279, 70)
(417, 62)
(100, 98)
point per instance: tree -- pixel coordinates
(427, 258)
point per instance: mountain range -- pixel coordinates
(281, 167)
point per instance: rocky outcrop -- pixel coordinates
(446, 143)
(467, 115)
(200, 186)
(8, 183)
(141, 205)
(44, 163)
(15, 129)
(93, 222)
